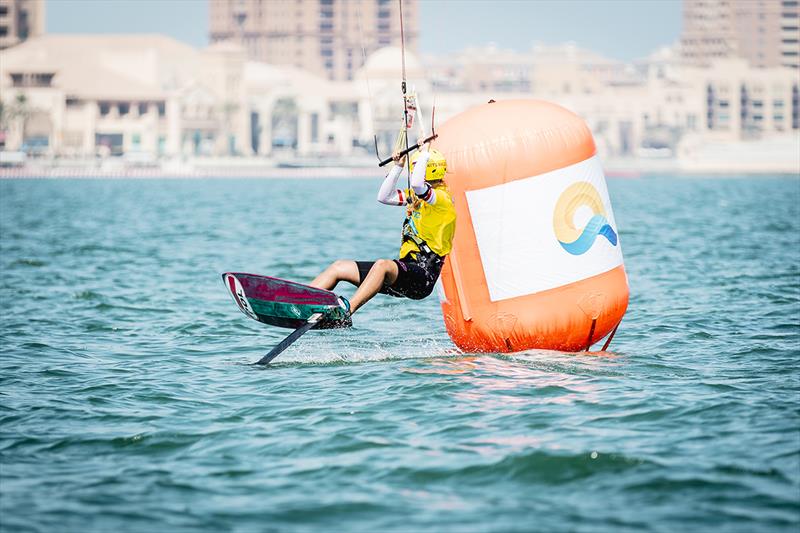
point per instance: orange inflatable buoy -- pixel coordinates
(536, 260)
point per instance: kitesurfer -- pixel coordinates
(427, 238)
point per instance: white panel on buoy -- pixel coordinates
(546, 231)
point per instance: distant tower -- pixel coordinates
(323, 36)
(790, 34)
(19, 20)
(764, 32)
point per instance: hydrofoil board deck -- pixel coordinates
(278, 302)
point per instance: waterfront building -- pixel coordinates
(329, 38)
(114, 94)
(675, 106)
(766, 33)
(149, 97)
(297, 116)
(647, 108)
(20, 20)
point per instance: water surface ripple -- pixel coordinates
(126, 401)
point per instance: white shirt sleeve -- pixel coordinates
(389, 194)
(422, 189)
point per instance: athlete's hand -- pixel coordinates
(399, 160)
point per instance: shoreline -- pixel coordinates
(615, 169)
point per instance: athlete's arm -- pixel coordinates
(389, 194)
(421, 188)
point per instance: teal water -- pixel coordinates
(127, 402)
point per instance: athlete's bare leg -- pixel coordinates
(341, 270)
(383, 272)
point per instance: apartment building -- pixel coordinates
(766, 33)
(19, 20)
(330, 38)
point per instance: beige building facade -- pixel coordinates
(148, 97)
(20, 20)
(85, 95)
(766, 33)
(650, 108)
(329, 38)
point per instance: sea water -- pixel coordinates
(127, 402)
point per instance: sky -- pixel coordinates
(620, 29)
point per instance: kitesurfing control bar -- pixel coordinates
(408, 150)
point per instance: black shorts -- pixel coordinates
(415, 279)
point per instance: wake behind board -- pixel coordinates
(278, 302)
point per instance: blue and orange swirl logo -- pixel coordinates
(578, 241)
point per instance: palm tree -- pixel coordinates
(17, 112)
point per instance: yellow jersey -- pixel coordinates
(435, 224)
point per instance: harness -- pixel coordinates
(426, 257)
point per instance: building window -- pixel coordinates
(314, 127)
(162, 109)
(111, 141)
(37, 79)
(142, 108)
(123, 108)
(23, 27)
(43, 80)
(345, 109)
(710, 98)
(104, 108)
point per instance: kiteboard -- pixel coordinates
(285, 304)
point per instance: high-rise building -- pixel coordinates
(764, 32)
(328, 37)
(19, 20)
(790, 33)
